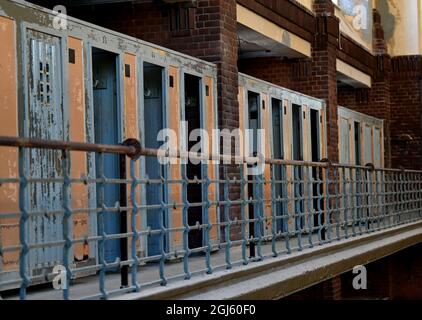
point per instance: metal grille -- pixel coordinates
(302, 205)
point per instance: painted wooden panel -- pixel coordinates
(377, 147)
(45, 120)
(241, 98)
(131, 128)
(175, 190)
(307, 139)
(344, 141)
(9, 197)
(323, 135)
(370, 137)
(210, 125)
(288, 155)
(78, 159)
(367, 145)
(107, 119)
(267, 173)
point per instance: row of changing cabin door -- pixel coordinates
(89, 84)
(286, 123)
(45, 88)
(107, 123)
(44, 68)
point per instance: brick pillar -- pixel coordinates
(331, 289)
(406, 112)
(322, 82)
(406, 274)
(380, 103)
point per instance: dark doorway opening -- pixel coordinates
(154, 122)
(194, 192)
(316, 157)
(106, 131)
(279, 170)
(297, 170)
(254, 190)
(359, 176)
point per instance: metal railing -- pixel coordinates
(293, 206)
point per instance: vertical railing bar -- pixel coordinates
(297, 197)
(320, 185)
(243, 213)
(310, 212)
(346, 202)
(359, 211)
(23, 225)
(390, 198)
(162, 246)
(261, 213)
(285, 203)
(371, 200)
(396, 197)
(66, 221)
(377, 197)
(227, 219)
(123, 243)
(135, 235)
(207, 206)
(285, 194)
(101, 226)
(365, 200)
(185, 223)
(274, 206)
(328, 210)
(353, 211)
(337, 199)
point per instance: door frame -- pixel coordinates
(202, 116)
(23, 126)
(141, 124)
(261, 125)
(90, 122)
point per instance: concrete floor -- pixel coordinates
(148, 275)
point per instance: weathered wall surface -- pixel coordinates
(402, 22)
(9, 198)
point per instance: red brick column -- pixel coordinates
(322, 82)
(406, 113)
(331, 289)
(375, 101)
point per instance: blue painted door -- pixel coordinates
(255, 190)
(279, 171)
(106, 125)
(154, 123)
(45, 121)
(297, 170)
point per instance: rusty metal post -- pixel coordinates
(123, 223)
(124, 243)
(124, 271)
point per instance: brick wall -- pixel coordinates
(374, 101)
(396, 277)
(406, 104)
(275, 70)
(395, 97)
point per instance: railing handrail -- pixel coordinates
(133, 149)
